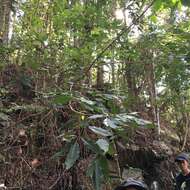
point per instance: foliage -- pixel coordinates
(105, 132)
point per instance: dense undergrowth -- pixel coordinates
(61, 139)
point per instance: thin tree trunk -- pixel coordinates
(100, 77)
(113, 72)
(153, 94)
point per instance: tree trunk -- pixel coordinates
(5, 13)
(134, 101)
(152, 92)
(186, 131)
(113, 72)
(100, 77)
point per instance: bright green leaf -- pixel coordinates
(157, 5)
(62, 99)
(153, 18)
(174, 1)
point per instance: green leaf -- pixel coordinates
(103, 162)
(126, 118)
(157, 5)
(174, 1)
(97, 116)
(42, 37)
(90, 169)
(96, 31)
(87, 107)
(109, 123)
(63, 151)
(62, 99)
(89, 102)
(4, 117)
(98, 171)
(179, 5)
(185, 35)
(101, 109)
(109, 96)
(153, 18)
(100, 131)
(103, 144)
(95, 172)
(97, 176)
(58, 154)
(72, 156)
(92, 146)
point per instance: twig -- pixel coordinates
(17, 187)
(32, 115)
(56, 181)
(26, 163)
(78, 112)
(45, 116)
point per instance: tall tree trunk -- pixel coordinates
(129, 75)
(152, 92)
(131, 85)
(100, 77)
(5, 13)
